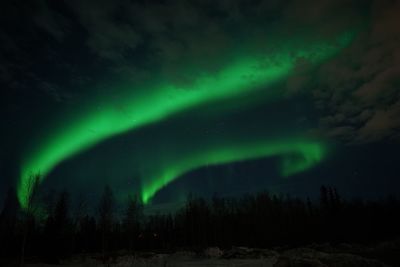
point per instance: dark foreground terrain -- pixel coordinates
(323, 255)
(204, 232)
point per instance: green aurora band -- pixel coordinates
(241, 76)
(297, 156)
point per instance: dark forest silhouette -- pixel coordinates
(261, 220)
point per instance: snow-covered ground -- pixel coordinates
(178, 263)
(344, 255)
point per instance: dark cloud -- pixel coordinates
(51, 21)
(172, 34)
(54, 91)
(108, 36)
(60, 48)
(169, 35)
(358, 92)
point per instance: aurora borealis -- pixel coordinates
(243, 75)
(305, 154)
(171, 88)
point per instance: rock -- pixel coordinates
(306, 253)
(213, 252)
(308, 257)
(249, 253)
(298, 262)
(182, 255)
(237, 253)
(350, 260)
(267, 253)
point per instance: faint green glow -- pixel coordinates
(302, 154)
(243, 74)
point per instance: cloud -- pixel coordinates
(54, 91)
(108, 35)
(135, 38)
(51, 21)
(358, 93)
(383, 124)
(175, 33)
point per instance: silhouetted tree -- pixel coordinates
(106, 213)
(324, 199)
(258, 220)
(8, 222)
(62, 224)
(31, 186)
(131, 220)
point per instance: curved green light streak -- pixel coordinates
(242, 75)
(297, 156)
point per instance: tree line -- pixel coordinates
(53, 230)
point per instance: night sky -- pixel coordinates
(167, 98)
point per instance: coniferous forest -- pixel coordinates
(56, 230)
